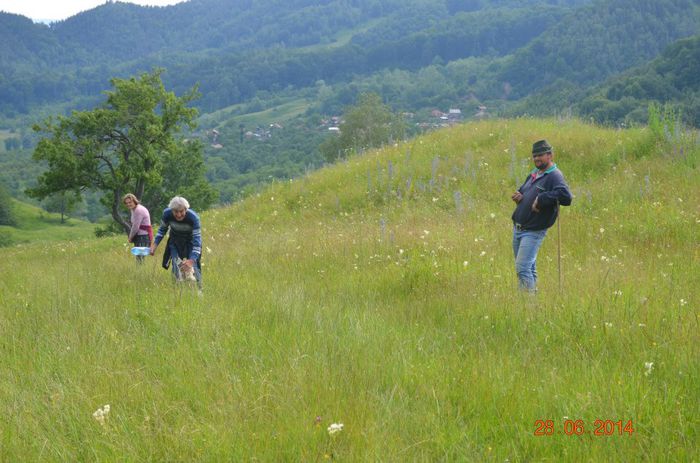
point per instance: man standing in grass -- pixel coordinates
(538, 201)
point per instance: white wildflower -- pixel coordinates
(648, 366)
(335, 428)
(101, 414)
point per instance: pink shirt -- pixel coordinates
(140, 221)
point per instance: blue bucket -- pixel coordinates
(141, 251)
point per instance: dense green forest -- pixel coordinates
(275, 76)
(673, 76)
(235, 50)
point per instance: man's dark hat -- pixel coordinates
(541, 146)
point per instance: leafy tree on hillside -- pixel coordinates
(128, 144)
(6, 214)
(369, 124)
(63, 203)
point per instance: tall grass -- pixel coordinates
(363, 294)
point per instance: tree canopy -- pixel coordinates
(7, 216)
(131, 143)
(369, 124)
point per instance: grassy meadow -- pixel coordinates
(35, 224)
(380, 293)
(281, 113)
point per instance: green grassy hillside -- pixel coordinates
(235, 114)
(380, 293)
(35, 224)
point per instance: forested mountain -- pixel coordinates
(600, 40)
(674, 77)
(228, 25)
(24, 45)
(292, 64)
(236, 48)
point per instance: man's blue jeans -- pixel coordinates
(526, 243)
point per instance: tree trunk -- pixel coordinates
(115, 212)
(140, 186)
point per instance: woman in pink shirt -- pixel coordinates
(141, 233)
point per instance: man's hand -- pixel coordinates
(517, 197)
(186, 264)
(153, 248)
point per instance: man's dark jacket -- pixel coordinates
(550, 189)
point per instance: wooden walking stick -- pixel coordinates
(559, 243)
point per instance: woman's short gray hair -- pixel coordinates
(178, 203)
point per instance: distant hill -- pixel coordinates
(35, 224)
(236, 49)
(599, 40)
(672, 77)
